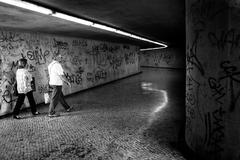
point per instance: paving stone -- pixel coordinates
(112, 122)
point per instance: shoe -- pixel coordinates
(69, 109)
(17, 117)
(53, 115)
(36, 113)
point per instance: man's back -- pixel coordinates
(55, 72)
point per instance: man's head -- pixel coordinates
(57, 57)
(22, 63)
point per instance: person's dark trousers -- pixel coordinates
(20, 101)
(57, 96)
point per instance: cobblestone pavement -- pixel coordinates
(137, 118)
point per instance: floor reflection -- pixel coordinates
(163, 98)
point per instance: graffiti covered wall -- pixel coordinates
(87, 63)
(166, 58)
(213, 78)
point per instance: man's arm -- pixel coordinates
(64, 79)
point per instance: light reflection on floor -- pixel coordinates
(147, 86)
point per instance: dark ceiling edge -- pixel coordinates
(54, 9)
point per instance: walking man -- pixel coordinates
(24, 88)
(56, 81)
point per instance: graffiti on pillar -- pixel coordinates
(232, 74)
(214, 121)
(193, 86)
(213, 75)
(193, 61)
(214, 134)
(227, 38)
(217, 89)
(190, 115)
(193, 91)
(200, 11)
(229, 74)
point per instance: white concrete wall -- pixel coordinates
(164, 58)
(213, 78)
(87, 63)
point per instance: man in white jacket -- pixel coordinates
(56, 81)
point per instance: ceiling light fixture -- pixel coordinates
(71, 18)
(123, 33)
(99, 26)
(43, 10)
(27, 5)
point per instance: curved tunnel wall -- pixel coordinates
(213, 78)
(163, 58)
(87, 63)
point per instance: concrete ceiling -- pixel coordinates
(160, 20)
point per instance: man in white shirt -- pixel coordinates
(57, 78)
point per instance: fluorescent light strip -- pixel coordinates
(71, 18)
(104, 27)
(36, 8)
(136, 37)
(29, 6)
(123, 33)
(148, 49)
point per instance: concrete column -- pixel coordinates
(213, 78)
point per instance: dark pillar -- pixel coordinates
(213, 78)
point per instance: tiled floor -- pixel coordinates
(137, 118)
